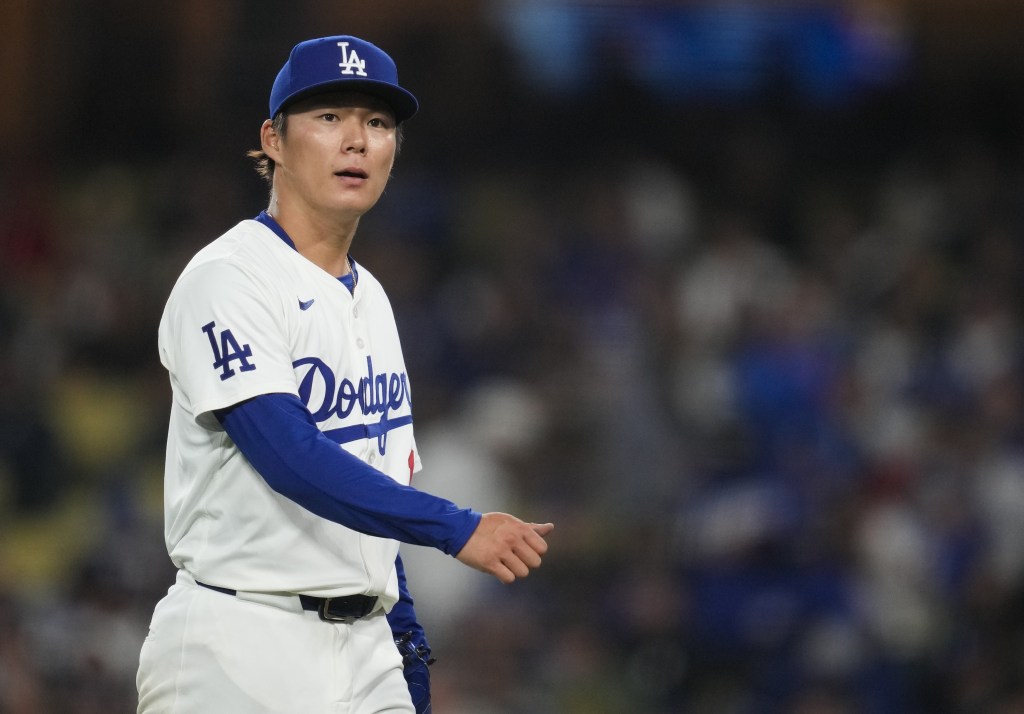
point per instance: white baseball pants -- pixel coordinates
(210, 652)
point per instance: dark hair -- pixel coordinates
(265, 164)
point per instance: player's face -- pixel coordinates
(337, 153)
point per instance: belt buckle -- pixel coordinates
(323, 611)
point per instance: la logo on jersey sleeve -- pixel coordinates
(226, 350)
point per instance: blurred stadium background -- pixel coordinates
(731, 291)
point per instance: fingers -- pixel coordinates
(528, 555)
(535, 538)
(518, 563)
(503, 574)
(517, 567)
(506, 547)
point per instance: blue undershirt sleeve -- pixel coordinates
(279, 437)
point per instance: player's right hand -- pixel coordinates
(505, 547)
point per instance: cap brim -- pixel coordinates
(402, 103)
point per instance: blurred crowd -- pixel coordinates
(761, 364)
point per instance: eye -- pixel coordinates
(380, 122)
(329, 117)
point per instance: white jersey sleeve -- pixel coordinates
(223, 341)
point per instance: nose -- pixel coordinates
(354, 137)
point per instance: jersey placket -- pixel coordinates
(362, 343)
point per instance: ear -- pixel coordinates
(270, 140)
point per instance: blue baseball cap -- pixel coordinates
(341, 62)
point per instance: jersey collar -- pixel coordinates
(349, 280)
(268, 220)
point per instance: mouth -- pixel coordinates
(351, 173)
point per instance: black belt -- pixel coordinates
(330, 609)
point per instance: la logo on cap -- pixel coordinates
(350, 62)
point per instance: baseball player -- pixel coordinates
(290, 448)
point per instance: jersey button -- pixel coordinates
(360, 344)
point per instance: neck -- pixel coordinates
(324, 241)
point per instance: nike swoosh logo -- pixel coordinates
(306, 304)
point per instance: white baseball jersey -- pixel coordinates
(249, 316)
